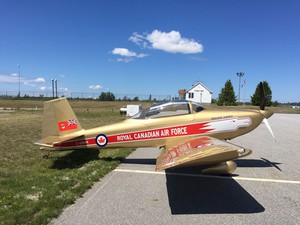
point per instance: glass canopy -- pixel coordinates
(172, 108)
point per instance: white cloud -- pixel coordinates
(40, 80)
(171, 42)
(43, 88)
(140, 40)
(63, 89)
(127, 54)
(123, 52)
(197, 58)
(142, 55)
(95, 87)
(137, 38)
(9, 79)
(13, 78)
(126, 60)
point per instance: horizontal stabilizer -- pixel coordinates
(50, 141)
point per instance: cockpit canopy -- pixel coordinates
(172, 108)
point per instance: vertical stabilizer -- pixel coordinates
(59, 119)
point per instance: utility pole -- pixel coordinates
(19, 94)
(240, 74)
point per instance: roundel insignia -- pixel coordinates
(101, 140)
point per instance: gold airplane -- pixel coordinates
(187, 133)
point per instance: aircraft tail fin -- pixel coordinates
(59, 119)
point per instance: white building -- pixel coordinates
(199, 93)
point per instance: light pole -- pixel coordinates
(240, 74)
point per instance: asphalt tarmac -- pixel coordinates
(265, 188)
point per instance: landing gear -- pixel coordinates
(46, 156)
(223, 168)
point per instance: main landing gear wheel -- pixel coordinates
(46, 156)
(223, 168)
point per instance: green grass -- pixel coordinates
(87, 105)
(34, 190)
(107, 107)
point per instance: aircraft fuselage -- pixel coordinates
(156, 132)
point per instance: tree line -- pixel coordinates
(108, 96)
(227, 96)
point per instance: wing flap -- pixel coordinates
(198, 151)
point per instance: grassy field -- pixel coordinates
(99, 106)
(96, 106)
(34, 190)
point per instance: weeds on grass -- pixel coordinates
(34, 190)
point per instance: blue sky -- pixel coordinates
(150, 47)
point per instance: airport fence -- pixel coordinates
(81, 95)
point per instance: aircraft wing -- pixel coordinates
(202, 150)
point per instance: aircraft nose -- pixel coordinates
(266, 114)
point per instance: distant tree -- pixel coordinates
(136, 99)
(150, 98)
(102, 96)
(227, 95)
(275, 104)
(107, 96)
(124, 98)
(112, 97)
(213, 101)
(255, 98)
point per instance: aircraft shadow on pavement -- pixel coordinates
(201, 195)
(257, 163)
(145, 161)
